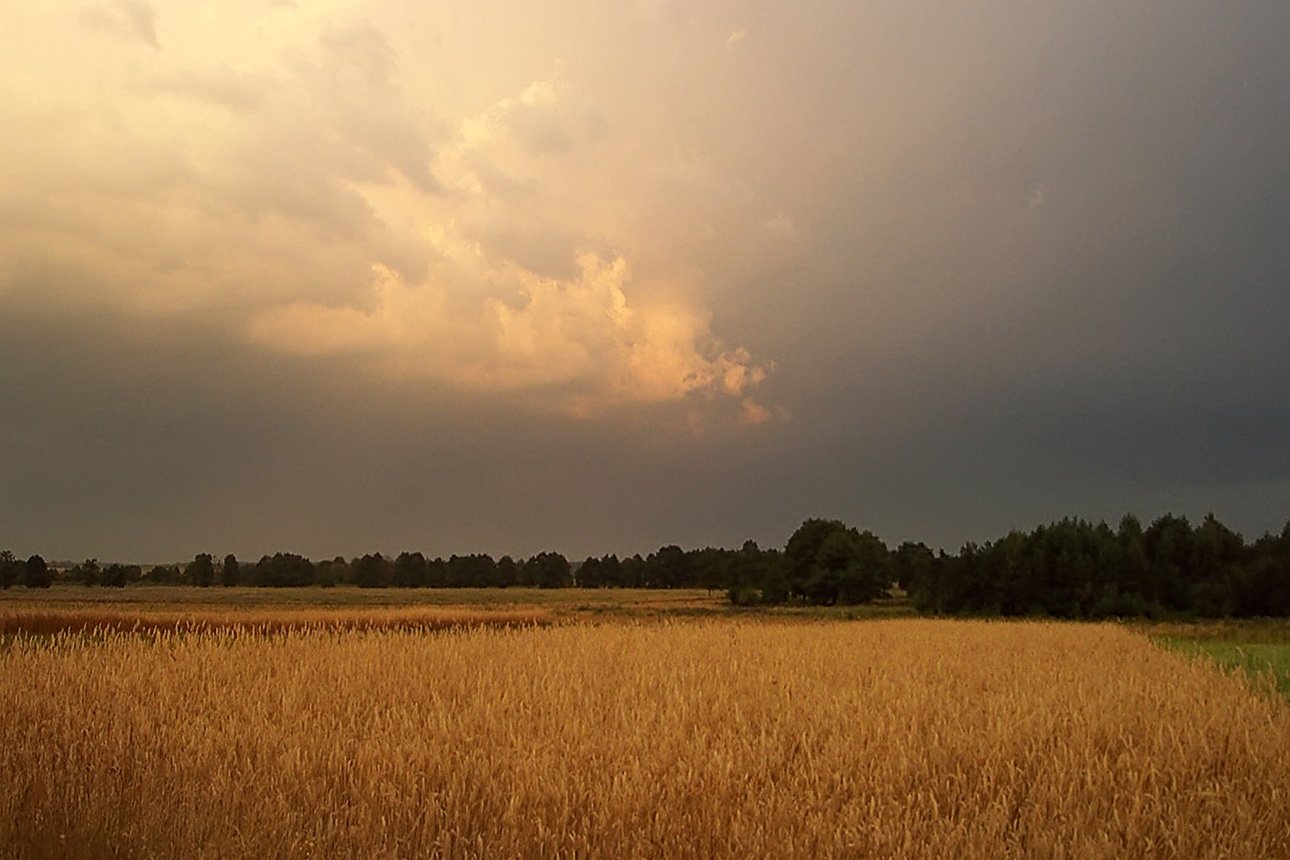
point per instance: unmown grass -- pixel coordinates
(102, 619)
(1259, 649)
(698, 738)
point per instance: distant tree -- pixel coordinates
(201, 570)
(508, 572)
(633, 571)
(1218, 555)
(372, 571)
(711, 568)
(10, 569)
(756, 576)
(667, 568)
(1171, 558)
(828, 562)
(410, 570)
(611, 571)
(38, 574)
(589, 574)
(1129, 589)
(477, 570)
(284, 570)
(332, 572)
(118, 575)
(1262, 587)
(437, 572)
(912, 566)
(802, 549)
(548, 570)
(166, 574)
(87, 572)
(230, 572)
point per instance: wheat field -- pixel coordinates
(906, 738)
(99, 619)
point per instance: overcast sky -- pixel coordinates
(598, 275)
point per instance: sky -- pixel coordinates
(597, 276)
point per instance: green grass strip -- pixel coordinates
(1261, 661)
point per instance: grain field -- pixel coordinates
(906, 738)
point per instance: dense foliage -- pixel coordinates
(1066, 569)
(1074, 569)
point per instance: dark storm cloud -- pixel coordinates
(136, 440)
(1009, 261)
(1075, 296)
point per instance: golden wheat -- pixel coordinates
(105, 618)
(714, 739)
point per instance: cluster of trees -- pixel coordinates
(669, 567)
(824, 562)
(33, 573)
(1074, 569)
(1066, 569)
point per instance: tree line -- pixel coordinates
(1067, 569)
(670, 567)
(1075, 569)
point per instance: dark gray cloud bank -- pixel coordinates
(1001, 264)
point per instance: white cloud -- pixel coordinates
(326, 192)
(576, 345)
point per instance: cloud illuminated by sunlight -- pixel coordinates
(331, 191)
(579, 344)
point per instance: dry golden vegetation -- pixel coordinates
(107, 618)
(558, 601)
(905, 738)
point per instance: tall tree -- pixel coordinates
(548, 570)
(411, 570)
(87, 572)
(828, 562)
(10, 569)
(372, 571)
(38, 574)
(230, 572)
(201, 570)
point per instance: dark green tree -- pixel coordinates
(667, 568)
(506, 572)
(87, 572)
(1171, 563)
(548, 570)
(1219, 552)
(611, 571)
(10, 569)
(372, 571)
(284, 570)
(331, 572)
(165, 574)
(201, 570)
(477, 570)
(411, 570)
(230, 572)
(589, 574)
(437, 572)
(38, 574)
(118, 575)
(829, 562)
